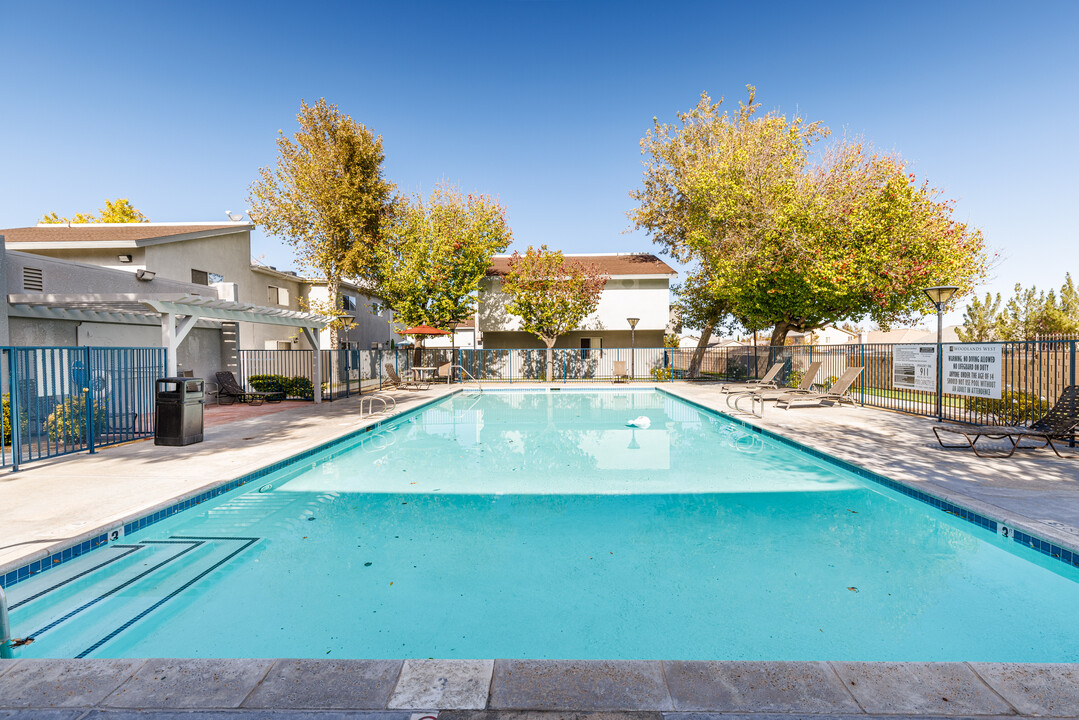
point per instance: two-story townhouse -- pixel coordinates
(216, 255)
(638, 286)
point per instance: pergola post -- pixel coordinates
(312, 335)
(172, 335)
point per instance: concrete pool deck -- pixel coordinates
(53, 502)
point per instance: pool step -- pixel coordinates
(83, 609)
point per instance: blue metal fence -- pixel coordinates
(60, 400)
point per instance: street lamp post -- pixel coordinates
(940, 295)
(632, 343)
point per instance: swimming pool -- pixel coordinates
(537, 525)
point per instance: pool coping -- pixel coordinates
(522, 689)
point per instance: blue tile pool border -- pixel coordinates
(1045, 547)
(61, 556)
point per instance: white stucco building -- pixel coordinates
(638, 286)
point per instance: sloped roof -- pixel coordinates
(614, 264)
(115, 234)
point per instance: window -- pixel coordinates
(348, 303)
(276, 295)
(33, 279)
(590, 344)
(200, 277)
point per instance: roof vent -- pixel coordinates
(33, 280)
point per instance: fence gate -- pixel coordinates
(60, 400)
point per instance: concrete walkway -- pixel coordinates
(517, 689)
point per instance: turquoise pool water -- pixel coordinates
(537, 525)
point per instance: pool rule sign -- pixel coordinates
(972, 370)
(914, 367)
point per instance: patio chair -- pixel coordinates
(835, 395)
(619, 374)
(1060, 423)
(229, 391)
(762, 394)
(444, 372)
(397, 382)
(768, 381)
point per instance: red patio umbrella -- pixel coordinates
(423, 330)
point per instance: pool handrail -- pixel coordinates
(5, 629)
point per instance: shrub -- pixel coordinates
(829, 382)
(736, 372)
(67, 421)
(662, 374)
(269, 383)
(794, 378)
(301, 387)
(1014, 407)
(298, 386)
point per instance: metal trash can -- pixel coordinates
(178, 411)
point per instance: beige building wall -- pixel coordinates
(608, 339)
(645, 298)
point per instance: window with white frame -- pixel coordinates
(277, 295)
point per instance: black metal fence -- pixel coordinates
(1029, 376)
(60, 400)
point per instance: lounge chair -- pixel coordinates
(1060, 423)
(761, 394)
(397, 382)
(835, 395)
(230, 389)
(619, 374)
(768, 381)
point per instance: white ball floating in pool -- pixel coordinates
(640, 422)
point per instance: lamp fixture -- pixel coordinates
(940, 294)
(145, 275)
(124, 258)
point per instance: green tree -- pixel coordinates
(1031, 313)
(327, 198)
(118, 211)
(434, 255)
(981, 321)
(791, 244)
(550, 294)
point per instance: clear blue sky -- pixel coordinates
(542, 104)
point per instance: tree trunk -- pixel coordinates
(779, 333)
(333, 286)
(550, 359)
(702, 344)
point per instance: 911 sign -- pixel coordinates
(914, 367)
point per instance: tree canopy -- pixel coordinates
(115, 211)
(550, 294)
(326, 197)
(435, 253)
(794, 244)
